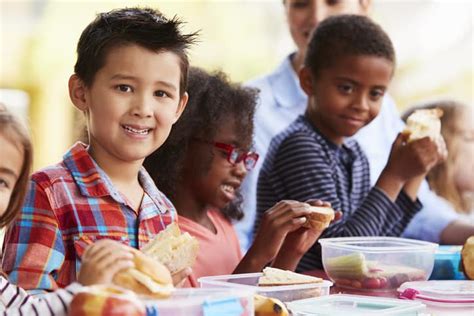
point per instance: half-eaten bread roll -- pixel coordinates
(175, 250)
(148, 277)
(319, 218)
(424, 123)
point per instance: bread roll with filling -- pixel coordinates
(148, 277)
(424, 123)
(319, 218)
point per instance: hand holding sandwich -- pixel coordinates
(415, 151)
(278, 222)
(298, 242)
(408, 164)
(102, 260)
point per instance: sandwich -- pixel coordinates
(319, 218)
(274, 277)
(424, 123)
(172, 248)
(148, 277)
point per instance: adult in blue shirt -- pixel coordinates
(282, 100)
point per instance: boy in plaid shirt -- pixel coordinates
(130, 82)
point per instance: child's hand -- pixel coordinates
(102, 260)
(410, 160)
(180, 277)
(298, 242)
(277, 222)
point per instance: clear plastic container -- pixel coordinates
(249, 281)
(355, 305)
(447, 264)
(376, 263)
(442, 297)
(203, 302)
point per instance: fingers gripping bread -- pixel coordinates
(319, 218)
(423, 123)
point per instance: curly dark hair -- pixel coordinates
(145, 27)
(346, 35)
(213, 101)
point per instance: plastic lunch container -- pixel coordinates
(447, 265)
(376, 263)
(442, 297)
(249, 281)
(355, 305)
(203, 302)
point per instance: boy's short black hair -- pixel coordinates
(145, 27)
(345, 35)
(213, 102)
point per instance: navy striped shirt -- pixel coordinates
(301, 165)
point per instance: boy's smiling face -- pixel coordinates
(346, 96)
(132, 103)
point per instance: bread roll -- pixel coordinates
(319, 218)
(175, 250)
(423, 123)
(148, 277)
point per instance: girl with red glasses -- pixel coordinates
(201, 167)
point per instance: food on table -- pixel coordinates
(467, 258)
(319, 218)
(424, 122)
(174, 249)
(356, 272)
(148, 277)
(274, 277)
(101, 300)
(267, 306)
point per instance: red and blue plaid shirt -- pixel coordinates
(67, 207)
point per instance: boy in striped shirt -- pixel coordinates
(348, 66)
(130, 83)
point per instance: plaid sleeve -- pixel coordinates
(34, 250)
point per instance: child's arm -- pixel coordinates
(281, 219)
(407, 165)
(302, 170)
(100, 262)
(33, 247)
(298, 242)
(17, 301)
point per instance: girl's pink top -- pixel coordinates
(219, 253)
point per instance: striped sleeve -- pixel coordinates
(17, 301)
(33, 248)
(301, 170)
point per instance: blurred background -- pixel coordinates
(433, 39)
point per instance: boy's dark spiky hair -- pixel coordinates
(145, 27)
(213, 102)
(345, 35)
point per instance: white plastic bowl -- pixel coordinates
(376, 263)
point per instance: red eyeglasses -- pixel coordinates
(236, 155)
